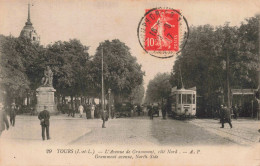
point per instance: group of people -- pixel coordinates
(4, 124)
(3, 116)
(43, 116)
(90, 111)
(152, 110)
(81, 108)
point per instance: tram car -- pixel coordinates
(183, 103)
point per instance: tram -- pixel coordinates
(183, 103)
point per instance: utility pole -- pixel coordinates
(181, 78)
(102, 63)
(104, 115)
(258, 108)
(228, 86)
(109, 103)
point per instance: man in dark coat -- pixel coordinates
(164, 110)
(104, 116)
(112, 111)
(151, 111)
(235, 112)
(138, 109)
(69, 109)
(3, 119)
(225, 116)
(44, 117)
(12, 114)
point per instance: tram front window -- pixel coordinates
(186, 99)
(174, 99)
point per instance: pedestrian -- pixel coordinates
(92, 109)
(225, 116)
(81, 110)
(112, 111)
(73, 109)
(164, 110)
(235, 111)
(88, 112)
(44, 117)
(104, 116)
(139, 109)
(12, 114)
(151, 112)
(132, 112)
(4, 124)
(69, 109)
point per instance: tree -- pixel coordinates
(137, 94)
(216, 60)
(122, 73)
(159, 88)
(69, 62)
(199, 66)
(14, 81)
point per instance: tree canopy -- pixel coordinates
(159, 88)
(18, 56)
(216, 59)
(122, 73)
(69, 62)
(137, 94)
(75, 73)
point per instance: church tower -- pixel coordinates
(28, 31)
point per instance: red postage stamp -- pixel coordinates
(163, 32)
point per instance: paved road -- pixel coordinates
(134, 131)
(22, 144)
(244, 132)
(155, 132)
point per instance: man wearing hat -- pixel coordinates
(104, 117)
(225, 116)
(12, 114)
(3, 119)
(44, 117)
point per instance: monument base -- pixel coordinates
(45, 97)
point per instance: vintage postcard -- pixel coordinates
(107, 82)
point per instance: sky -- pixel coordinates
(93, 21)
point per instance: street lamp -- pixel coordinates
(109, 103)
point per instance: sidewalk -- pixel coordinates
(27, 129)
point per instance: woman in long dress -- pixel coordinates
(92, 111)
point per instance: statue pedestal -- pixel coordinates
(45, 97)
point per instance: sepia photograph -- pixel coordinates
(132, 82)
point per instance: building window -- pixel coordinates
(34, 38)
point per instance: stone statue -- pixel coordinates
(48, 76)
